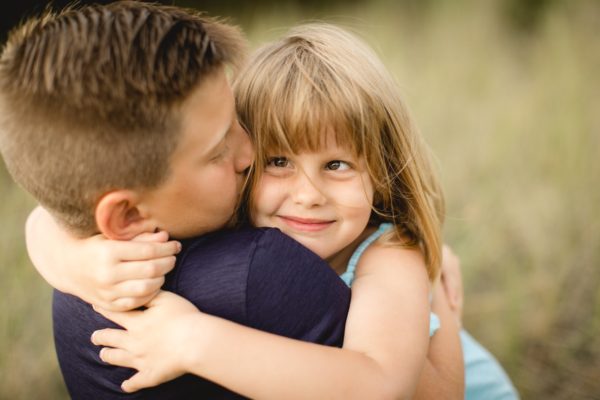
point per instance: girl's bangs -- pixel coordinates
(309, 112)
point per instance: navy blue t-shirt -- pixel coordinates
(256, 277)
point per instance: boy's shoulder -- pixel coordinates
(226, 247)
(264, 279)
(212, 270)
(220, 271)
(245, 246)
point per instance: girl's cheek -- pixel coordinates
(264, 196)
(255, 201)
(260, 191)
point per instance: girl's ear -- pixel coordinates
(118, 216)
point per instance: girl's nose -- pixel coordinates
(308, 191)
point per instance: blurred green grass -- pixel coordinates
(513, 116)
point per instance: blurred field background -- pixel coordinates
(507, 93)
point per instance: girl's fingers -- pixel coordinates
(139, 251)
(451, 276)
(449, 285)
(120, 318)
(135, 383)
(129, 303)
(160, 236)
(139, 288)
(149, 269)
(110, 338)
(165, 298)
(118, 357)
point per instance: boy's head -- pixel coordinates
(103, 108)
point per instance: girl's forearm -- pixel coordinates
(443, 374)
(266, 366)
(39, 227)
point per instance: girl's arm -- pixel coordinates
(116, 275)
(451, 278)
(443, 375)
(384, 350)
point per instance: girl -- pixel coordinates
(340, 168)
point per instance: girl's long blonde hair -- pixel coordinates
(319, 77)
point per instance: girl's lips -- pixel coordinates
(306, 224)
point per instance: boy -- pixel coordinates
(119, 119)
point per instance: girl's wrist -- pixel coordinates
(198, 331)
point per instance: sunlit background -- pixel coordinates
(507, 93)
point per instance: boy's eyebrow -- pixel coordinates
(212, 149)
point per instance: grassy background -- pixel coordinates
(510, 102)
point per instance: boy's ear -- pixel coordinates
(118, 216)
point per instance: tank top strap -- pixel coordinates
(348, 275)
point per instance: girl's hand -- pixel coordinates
(153, 341)
(114, 275)
(451, 278)
(127, 274)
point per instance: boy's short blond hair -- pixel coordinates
(320, 78)
(89, 98)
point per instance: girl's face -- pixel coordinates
(321, 199)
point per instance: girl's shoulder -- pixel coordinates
(385, 257)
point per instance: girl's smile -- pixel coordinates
(322, 199)
(306, 224)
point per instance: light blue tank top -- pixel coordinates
(485, 379)
(348, 275)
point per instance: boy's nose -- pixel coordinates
(244, 155)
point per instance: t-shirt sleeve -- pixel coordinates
(293, 292)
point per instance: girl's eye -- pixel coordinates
(337, 165)
(278, 162)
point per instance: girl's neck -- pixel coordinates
(339, 261)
